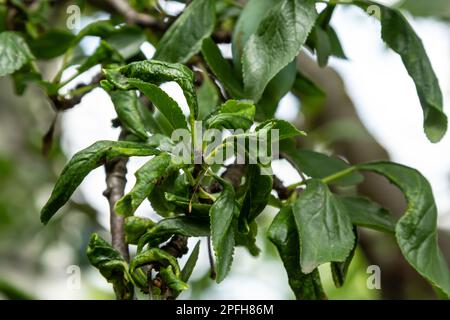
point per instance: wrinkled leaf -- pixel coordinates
(111, 265)
(136, 227)
(181, 225)
(84, 162)
(155, 255)
(156, 73)
(416, 231)
(286, 26)
(171, 279)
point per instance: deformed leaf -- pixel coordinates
(155, 255)
(156, 73)
(14, 52)
(180, 225)
(172, 280)
(84, 162)
(283, 233)
(111, 265)
(276, 43)
(416, 231)
(146, 179)
(136, 227)
(184, 38)
(324, 227)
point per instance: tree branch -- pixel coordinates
(130, 15)
(115, 181)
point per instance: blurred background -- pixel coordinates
(371, 112)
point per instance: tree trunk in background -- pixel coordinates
(399, 279)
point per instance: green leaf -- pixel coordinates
(277, 88)
(247, 24)
(222, 69)
(156, 73)
(24, 76)
(126, 105)
(168, 107)
(101, 28)
(126, 41)
(208, 98)
(104, 54)
(184, 38)
(430, 8)
(147, 178)
(324, 227)
(222, 213)
(14, 53)
(339, 270)
(136, 227)
(311, 96)
(285, 129)
(155, 255)
(416, 231)
(247, 238)
(84, 162)
(317, 165)
(51, 44)
(400, 37)
(3, 16)
(286, 26)
(256, 198)
(174, 183)
(283, 234)
(180, 225)
(111, 265)
(188, 268)
(185, 205)
(366, 213)
(171, 280)
(232, 114)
